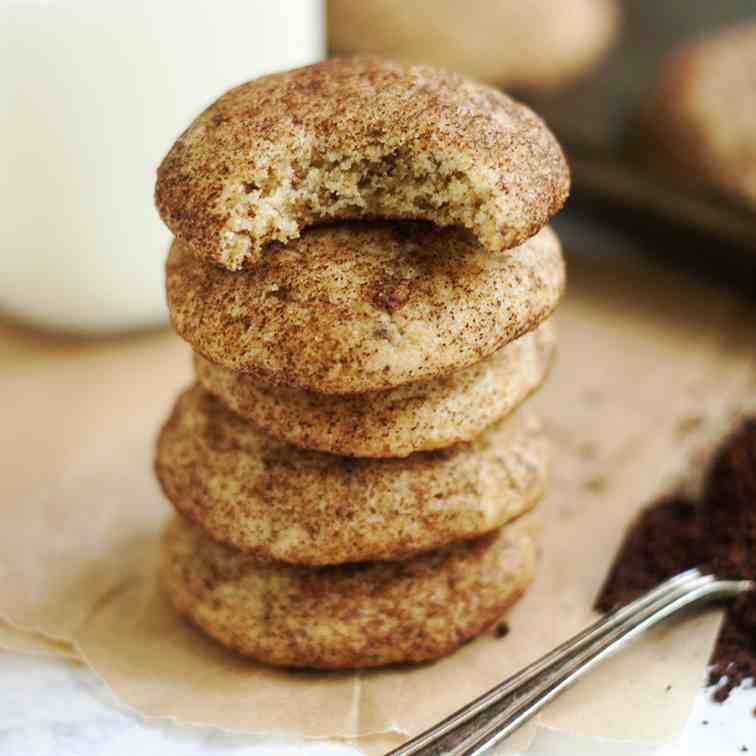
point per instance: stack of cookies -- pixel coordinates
(363, 270)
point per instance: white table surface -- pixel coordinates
(52, 707)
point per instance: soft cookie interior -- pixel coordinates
(405, 181)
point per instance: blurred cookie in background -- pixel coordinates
(699, 118)
(535, 46)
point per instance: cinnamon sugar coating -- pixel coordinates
(419, 416)
(265, 496)
(357, 615)
(358, 138)
(359, 307)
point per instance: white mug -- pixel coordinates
(92, 95)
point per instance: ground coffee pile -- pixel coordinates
(717, 532)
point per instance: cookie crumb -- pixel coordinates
(595, 485)
(592, 396)
(688, 424)
(587, 450)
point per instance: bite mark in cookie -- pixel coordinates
(358, 138)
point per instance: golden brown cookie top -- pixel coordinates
(353, 138)
(361, 307)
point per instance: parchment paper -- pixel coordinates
(651, 368)
(20, 642)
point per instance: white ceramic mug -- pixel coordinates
(92, 94)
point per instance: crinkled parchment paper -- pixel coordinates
(21, 642)
(651, 367)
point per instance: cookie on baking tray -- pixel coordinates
(356, 615)
(419, 416)
(361, 307)
(262, 495)
(701, 113)
(358, 138)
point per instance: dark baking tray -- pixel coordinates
(682, 221)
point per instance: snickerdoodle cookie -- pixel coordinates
(262, 495)
(358, 138)
(414, 417)
(356, 615)
(534, 45)
(703, 109)
(358, 307)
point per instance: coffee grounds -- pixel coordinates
(716, 532)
